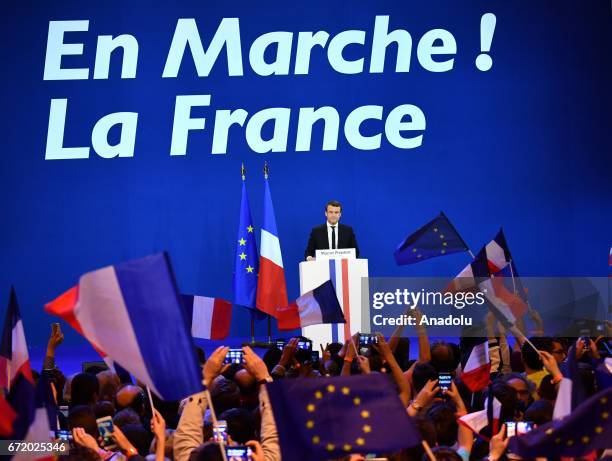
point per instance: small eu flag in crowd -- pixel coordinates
(330, 418)
(436, 238)
(246, 264)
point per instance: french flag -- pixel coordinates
(271, 286)
(477, 371)
(478, 420)
(15, 375)
(133, 312)
(315, 307)
(571, 391)
(210, 317)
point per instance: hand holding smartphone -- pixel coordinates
(106, 429)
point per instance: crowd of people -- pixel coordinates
(523, 380)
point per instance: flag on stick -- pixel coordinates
(210, 317)
(315, 307)
(133, 312)
(436, 238)
(477, 370)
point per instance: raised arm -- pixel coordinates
(385, 351)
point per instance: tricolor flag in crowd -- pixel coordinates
(210, 317)
(571, 391)
(436, 238)
(478, 420)
(133, 312)
(271, 286)
(15, 375)
(246, 260)
(477, 371)
(315, 307)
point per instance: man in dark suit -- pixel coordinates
(332, 234)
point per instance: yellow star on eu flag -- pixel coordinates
(249, 269)
(250, 229)
(242, 256)
(242, 242)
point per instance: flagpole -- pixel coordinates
(427, 449)
(266, 171)
(151, 401)
(8, 375)
(213, 415)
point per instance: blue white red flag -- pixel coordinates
(133, 312)
(210, 317)
(315, 307)
(271, 286)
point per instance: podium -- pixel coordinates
(345, 272)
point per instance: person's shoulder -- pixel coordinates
(320, 227)
(345, 227)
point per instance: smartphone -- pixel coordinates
(280, 343)
(444, 382)
(314, 356)
(365, 339)
(587, 343)
(63, 435)
(523, 427)
(220, 431)
(238, 453)
(510, 428)
(55, 328)
(63, 409)
(305, 344)
(234, 356)
(106, 428)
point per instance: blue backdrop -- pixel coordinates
(526, 145)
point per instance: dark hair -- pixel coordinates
(271, 358)
(209, 451)
(84, 389)
(139, 437)
(532, 358)
(83, 416)
(443, 454)
(540, 412)
(442, 415)
(443, 357)
(225, 394)
(240, 424)
(508, 398)
(126, 416)
(422, 373)
(104, 408)
(333, 203)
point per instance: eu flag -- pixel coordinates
(588, 427)
(436, 238)
(246, 264)
(330, 418)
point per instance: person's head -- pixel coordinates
(523, 387)
(442, 416)
(108, 382)
(126, 416)
(130, 396)
(333, 211)
(422, 373)
(240, 424)
(531, 358)
(443, 357)
(83, 416)
(209, 451)
(443, 454)
(558, 350)
(245, 381)
(540, 412)
(508, 399)
(271, 358)
(139, 437)
(80, 453)
(84, 389)
(104, 408)
(225, 394)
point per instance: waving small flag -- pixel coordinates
(315, 307)
(477, 370)
(436, 238)
(210, 317)
(330, 418)
(133, 312)
(478, 420)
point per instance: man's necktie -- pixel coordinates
(333, 245)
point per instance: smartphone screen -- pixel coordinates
(64, 436)
(234, 356)
(444, 381)
(365, 339)
(105, 427)
(238, 453)
(55, 327)
(305, 344)
(510, 428)
(280, 343)
(586, 342)
(523, 427)
(314, 356)
(220, 431)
